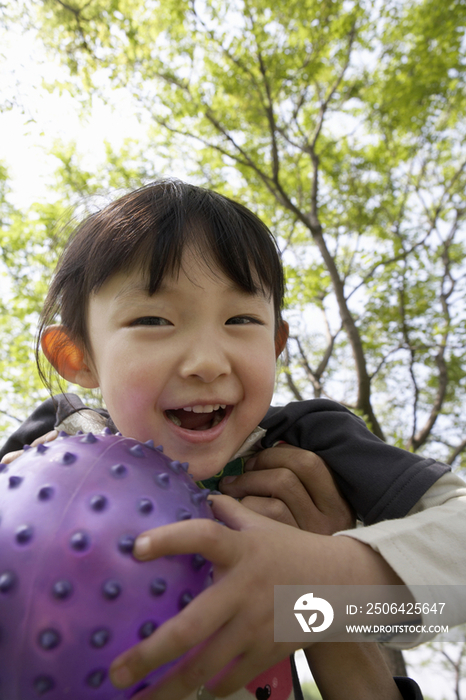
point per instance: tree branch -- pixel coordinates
(363, 402)
(421, 437)
(456, 452)
(271, 120)
(384, 361)
(8, 415)
(333, 89)
(412, 354)
(288, 377)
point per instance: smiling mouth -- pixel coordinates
(197, 417)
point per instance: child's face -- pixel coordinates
(191, 367)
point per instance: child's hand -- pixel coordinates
(11, 456)
(293, 486)
(227, 631)
(230, 624)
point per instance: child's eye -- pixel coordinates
(243, 320)
(150, 321)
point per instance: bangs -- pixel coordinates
(223, 236)
(151, 228)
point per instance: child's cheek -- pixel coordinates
(128, 404)
(262, 377)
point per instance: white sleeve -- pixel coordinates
(427, 548)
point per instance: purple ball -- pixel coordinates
(72, 596)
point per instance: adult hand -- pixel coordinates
(293, 486)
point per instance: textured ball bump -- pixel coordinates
(72, 596)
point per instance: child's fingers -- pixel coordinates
(191, 627)
(215, 663)
(207, 660)
(215, 606)
(256, 654)
(215, 542)
(48, 437)
(225, 663)
(244, 559)
(200, 535)
(11, 456)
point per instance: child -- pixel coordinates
(169, 301)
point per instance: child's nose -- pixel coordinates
(206, 359)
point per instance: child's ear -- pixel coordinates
(281, 337)
(67, 358)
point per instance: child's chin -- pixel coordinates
(202, 473)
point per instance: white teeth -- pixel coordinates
(203, 409)
(209, 408)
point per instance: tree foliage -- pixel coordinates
(341, 122)
(22, 291)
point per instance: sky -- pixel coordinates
(36, 119)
